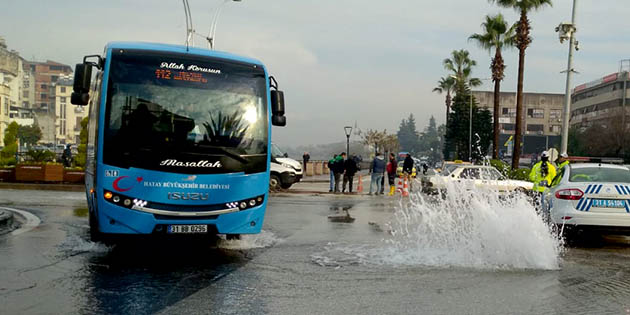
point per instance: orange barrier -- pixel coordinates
(360, 187)
(405, 191)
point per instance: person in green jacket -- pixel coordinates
(563, 160)
(542, 173)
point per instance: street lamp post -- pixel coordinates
(213, 26)
(348, 130)
(567, 31)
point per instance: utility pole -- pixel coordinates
(567, 31)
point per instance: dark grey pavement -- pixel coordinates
(302, 263)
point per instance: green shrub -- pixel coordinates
(507, 171)
(41, 155)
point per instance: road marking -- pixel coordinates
(32, 221)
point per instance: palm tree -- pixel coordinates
(522, 41)
(461, 65)
(497, 35)
(446, 85)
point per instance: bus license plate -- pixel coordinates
(608, 203)
(187, 229)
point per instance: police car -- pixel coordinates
(590, 196)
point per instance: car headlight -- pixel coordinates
(287, 165)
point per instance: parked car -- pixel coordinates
(475, 176)
(590, 196)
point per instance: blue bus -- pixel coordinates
(178, 140)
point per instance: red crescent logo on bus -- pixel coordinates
(118, 188)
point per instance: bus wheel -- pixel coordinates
(231, 237)
(274, 182)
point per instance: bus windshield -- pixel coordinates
(179, 113)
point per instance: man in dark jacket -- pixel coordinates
(305, 157)
(408, 169)
(377, 169)
(392, 166)
(350, 167)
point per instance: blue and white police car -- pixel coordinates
(591, 196)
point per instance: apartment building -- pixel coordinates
(601, 101)
(67, 116)
(542, 119)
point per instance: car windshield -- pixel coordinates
(448, 168)
(470, 173)
(275, 151)
(599, 175)
(491, 174)
(172, 107)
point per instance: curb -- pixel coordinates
(55, 187)
(6, 222)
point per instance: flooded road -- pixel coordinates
(388, 258)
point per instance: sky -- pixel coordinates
(337, 61)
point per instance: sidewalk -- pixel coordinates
(33, 186)
(319, 184)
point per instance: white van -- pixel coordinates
(284, 170)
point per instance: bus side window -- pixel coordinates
(95, 96)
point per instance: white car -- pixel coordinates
(590, 196)
(480, 176)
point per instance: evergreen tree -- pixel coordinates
(408, 135)
(457, 134)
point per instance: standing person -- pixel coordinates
(350, 167)
(408, 170)
(67, 156)
(377, 169)
(392, 166)
(563, 160)
(331, 164)
(305, 157)
(338, 167)
(541, 175)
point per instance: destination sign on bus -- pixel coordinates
(179, 76)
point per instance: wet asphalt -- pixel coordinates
(308, 260)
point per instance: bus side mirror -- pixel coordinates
(81, 88)
(277, 108)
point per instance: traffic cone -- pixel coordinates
(405, 191)
(360, 187)
(399, 186)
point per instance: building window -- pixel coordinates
(508, 127)
(62, 99)
(535, 127)
(535, 113)
(63, 89)
(555, 114)
(44, 86)
(555, 128)
(25, 93)
(510, 112)
(54, 78)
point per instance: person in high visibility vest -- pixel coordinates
(563, 160)
(542, 173)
